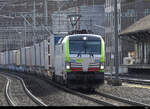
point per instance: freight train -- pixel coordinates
(76, 61)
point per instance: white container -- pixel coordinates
(6, 57)
(28, 56)
(14, 57)
(23, 56)
(18, 57)
(11, 57)
(33, 55)
(37, 54)
(2, 59)
(45, 49)
(42, 54)
(46, 63)
(51, 54)
(48, 50)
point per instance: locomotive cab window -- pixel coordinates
(85, 45)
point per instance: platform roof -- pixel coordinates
(143, 25)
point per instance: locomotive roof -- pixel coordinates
(76, 35)
(84, 35)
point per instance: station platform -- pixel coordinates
(137, 66)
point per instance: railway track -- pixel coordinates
(3, 84)
(8, 98)
(17, 94)
(102, 98)
(97, 97)
(128, 79)
(81, 95)
(100, 102)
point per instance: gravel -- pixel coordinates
(53, 96)
(132, 93)
(3, 82)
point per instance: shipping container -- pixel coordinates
(2, 59)
(33, 55)
(10, 57)
(51, 52)
(18, 57)
(14, 57)
(47, 50)
(28, 56)
(6, 57)
(42, 53)
(23, 60)
(37, 54)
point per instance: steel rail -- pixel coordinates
(8, 98)
(120, 99)
(6, 92)
(35, 99)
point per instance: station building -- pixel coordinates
(129, 12)
(139, 33)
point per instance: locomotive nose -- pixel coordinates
(86, 63)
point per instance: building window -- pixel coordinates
(129, 13)
(146, 12)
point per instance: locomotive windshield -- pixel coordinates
(88, 46)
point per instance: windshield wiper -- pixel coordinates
(79, 54)
(91, 54)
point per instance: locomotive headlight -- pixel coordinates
(67, 65)
(84, 38)
(102, 67)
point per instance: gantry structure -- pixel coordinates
(24, 22)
